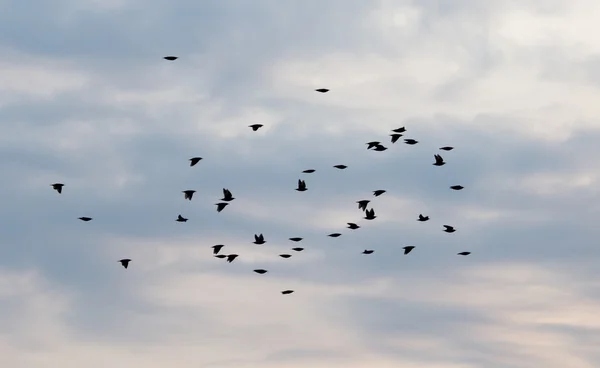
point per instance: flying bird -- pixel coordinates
(457, 187)
(341, 167)
(255, 127)
(285, 255)
(286, 292)
(370, 214)
(86, 219)
(379, 148)
(372, 144)
(181, 219)
(227, 196)
(58, 187)
(188, 194)
(296, 239)
(194, 160)
(217, 248)
(395, 137)
(367, 251)
(301, 186)
(322, 90)
(463, 253)
(378, 192)
(439, 161)
(447, 148)
(298, 249)
(260, 271)
(221, 256)
(221, 206)
(231, 257)
(399, 130)
(334, 235)
(259, 239)
(449, 229)
(352, 225)
(125, 262)
(309, 171)
(423, 218)
(170, 58)
(362, 204)
(410, 141)
(408, 249)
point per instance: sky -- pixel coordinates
(86, 99)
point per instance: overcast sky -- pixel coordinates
(87, 99)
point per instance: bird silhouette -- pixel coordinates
(227, 196)
(217, 248)
(370, 214)
(423, 218)
(449, 229)
(447, 148)
(221, 256)
(334, 235)
(259, 239)
(367, 251)
(410, 141)
(372, 144)
(301, 186)
(170, 58)
(322, 90)
(285, 255)
(379, 148)
(231, 257)
(408, 249)
(194, 161)
(309, 171)
(58, 187)
(298, 249)
(378, 192)
(399, 130)
(341, 167)
(286, 292)
(439, 161)
(352, 225)
(463, 253)
(296, 239)
(86, 219)
(125, 262)
(255, 127)
(181, 219)
(457, 187)
(395, 137)
(362, 204)
(221, 206)
(188, 194)
(260, 271)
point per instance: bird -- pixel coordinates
(181, 219)
(286, 292)
(301, 186)
(395, 137)
(362, 204)
(463, 253)
(194, 160)
(372, 144)
(188, 194)
(370, 214)
(86, 219)
(227, 195)
(259, 239)
(423, 218)
(399, 130)
(439, 161)
(410, 141)
(260, 271)
(341, 167)
(449, 229)
(231, 257)
(379, 148)
(298, 249)
(58, 187)
(217, 248)
(352, 225)
(125, 262)
(367, 251)
(221, 256)
(408, 248)
(378, 192)
(170, 58)
(296, 239)
(285, 255)
(457, 187)
(255, 127)
(221, 206)
(447, 148)
(309, 171)
(334, 235)
(322, 90)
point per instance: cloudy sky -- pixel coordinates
(87, 100)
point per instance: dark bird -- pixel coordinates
(231, 257)
(322, 90)
(301, 186)
(341, 167)
(408, 249)
(125, 262)
(217, 248)
(367, 251)
(259, 239)
(352, 225)
(370, 214)
(58, 187)
(298, 249)
(439, 161)
(227, 195)
(449, 229)
(423, 218)
(447, 148)
(221, 256)
(260, 271)
(399, 130)
(379, 148)
(181, 219)
(463, 253)
(221, 206)
(255, 127)
(194, 160)
(188, 194)
(170, 58)
(372, 144)
(309, 171)
(86, 219)
(378, 192)
(410, 141)
(285, 255)
(296, 239)
(334, 235)
(286, 292)
(395, 137)
(457, 187)
(362, 204)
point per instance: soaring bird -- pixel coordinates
(463, 253)
(370, 214)
(194, 160)
(378, 192)
(408, 248)
(449, 229)
(297, 249)
(260, 271)
(362, 204)
(372, 144)
(58, 187)
(399, 130)
(286, 292)
(379, 148)
(86, 219)
(259, 239)
(255, 127)
(231, 257)
(352, 225)
(367, 251)
(285, 255)
(457, 187)
(341, 167)
(447, 148)
(309, 171)
(395, 137)
(221, 206)
(296, 239)
(227, 196)
(322, 90)
(125, 262)
(188, 194)
(221, 256)
(334, 235)
(217, 248)
(439, 161)
(301, 186)
(423, 218)
(410, 141)
(170, 58)
(181, 219)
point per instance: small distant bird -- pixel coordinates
(447, 148)
(410, 141)
(221, 206)
(171, 58)
(58, 187)
(188, 194)
(217, 248)
(370, 214)
(86, 219)
(259, 239)
(125, 262)
(181, 219)
(255, 127)
(378, 192)
(367, 251)
(449, 229)
(285, 255)
(399, 130)
(463, 253)
(301, 186)
(322, 90)
(309, 171)
(298, 249)
(423, 218)
(379, 148)
(231, 257)
(341, 167)
(227, 196)
(260, 271)
(439, 161)
(334, 235)
(296, 239)
(221, 256)
(457, 187)
(286, 292)
(408, 249)
(352, 225)
(372, 144)
(194, 160)
(395, 137)
(362, 204)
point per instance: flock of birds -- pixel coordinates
(259, 239)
